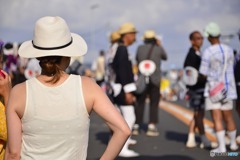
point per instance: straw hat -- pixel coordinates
(52, 37)
(149, 34)
(212, 29)
(114, 36)
(127, 28)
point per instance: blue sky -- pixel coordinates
(173, 20)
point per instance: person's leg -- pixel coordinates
(231, 128)
(154, 104)
(199, 116)
(228, 119)
(238, 111)
(154, 95)
(199, 121)
(220, 132)
(195, 103)
(191, 135)
(192, 125)
(129, 115)
(139, 111)
(217, 119)
(238, 107)
(238, 99)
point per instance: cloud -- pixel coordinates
(145, 14)
(94, 19)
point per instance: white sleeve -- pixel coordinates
(204, 67)
(130, 87)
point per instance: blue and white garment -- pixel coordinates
(212, 65)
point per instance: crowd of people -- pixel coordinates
(50, 102)
(211, 84)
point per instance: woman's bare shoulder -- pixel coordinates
(19, 89)
(17, 98)
(88, 81)
(90, 86)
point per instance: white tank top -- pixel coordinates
(55, 124)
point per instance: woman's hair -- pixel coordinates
(191, 36)
(150, 41)
(121, 39)
(50, 67)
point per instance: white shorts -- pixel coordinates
(211, 106)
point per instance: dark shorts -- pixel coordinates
(196, 100)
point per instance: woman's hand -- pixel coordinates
(130, 98)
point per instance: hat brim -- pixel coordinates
(144, 38)
(205, 34)
(128, 32)
(77, 48)
(8, 52)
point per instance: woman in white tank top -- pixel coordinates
(48, 116)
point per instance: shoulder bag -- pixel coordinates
(217, 89)
(143, 79)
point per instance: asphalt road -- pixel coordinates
(169, 145)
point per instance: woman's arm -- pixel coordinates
(14, 125)
(104, 108)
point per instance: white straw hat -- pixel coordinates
(127, 28)
(52, 37)
(149, 34)
(8, 49)
(212, 29)
(115, 36)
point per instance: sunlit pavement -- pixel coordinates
(169, 145)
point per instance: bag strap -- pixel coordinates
(224, 61)
(150, 51)
(225, 64)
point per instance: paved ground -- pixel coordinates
(169, 145)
